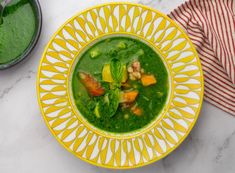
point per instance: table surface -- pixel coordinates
(27, 146)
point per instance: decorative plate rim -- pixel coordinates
(196, 113)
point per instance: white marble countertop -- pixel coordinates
(26, 145)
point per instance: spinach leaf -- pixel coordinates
(109, 103)
(113, 96)
(116, 69)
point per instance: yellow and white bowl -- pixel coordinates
(115, 150)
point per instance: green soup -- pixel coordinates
(120, 85)
(17, 30)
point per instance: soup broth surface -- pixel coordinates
(120, 85)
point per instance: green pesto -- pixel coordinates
(17, 30)
(151, 99)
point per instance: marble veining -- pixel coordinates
(26, 144)
(6, 90)
(224, 146)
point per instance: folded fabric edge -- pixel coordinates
(176, 15)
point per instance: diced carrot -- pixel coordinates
(93, 87)
(148, 80)
(137, 111)
(128, 96)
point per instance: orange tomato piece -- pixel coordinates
(93, 87)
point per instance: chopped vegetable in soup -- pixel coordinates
(120, 85)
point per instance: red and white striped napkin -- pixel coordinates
(210, 24)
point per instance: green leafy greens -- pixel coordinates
(108, 104)
(116, 69)
(113, 103)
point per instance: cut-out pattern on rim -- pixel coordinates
(181, 59)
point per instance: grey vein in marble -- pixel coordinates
(5, 91)
(224, 146)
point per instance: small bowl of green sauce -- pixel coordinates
(19, 31)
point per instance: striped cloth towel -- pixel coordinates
(210, 24)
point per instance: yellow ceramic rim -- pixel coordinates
(189, 128)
